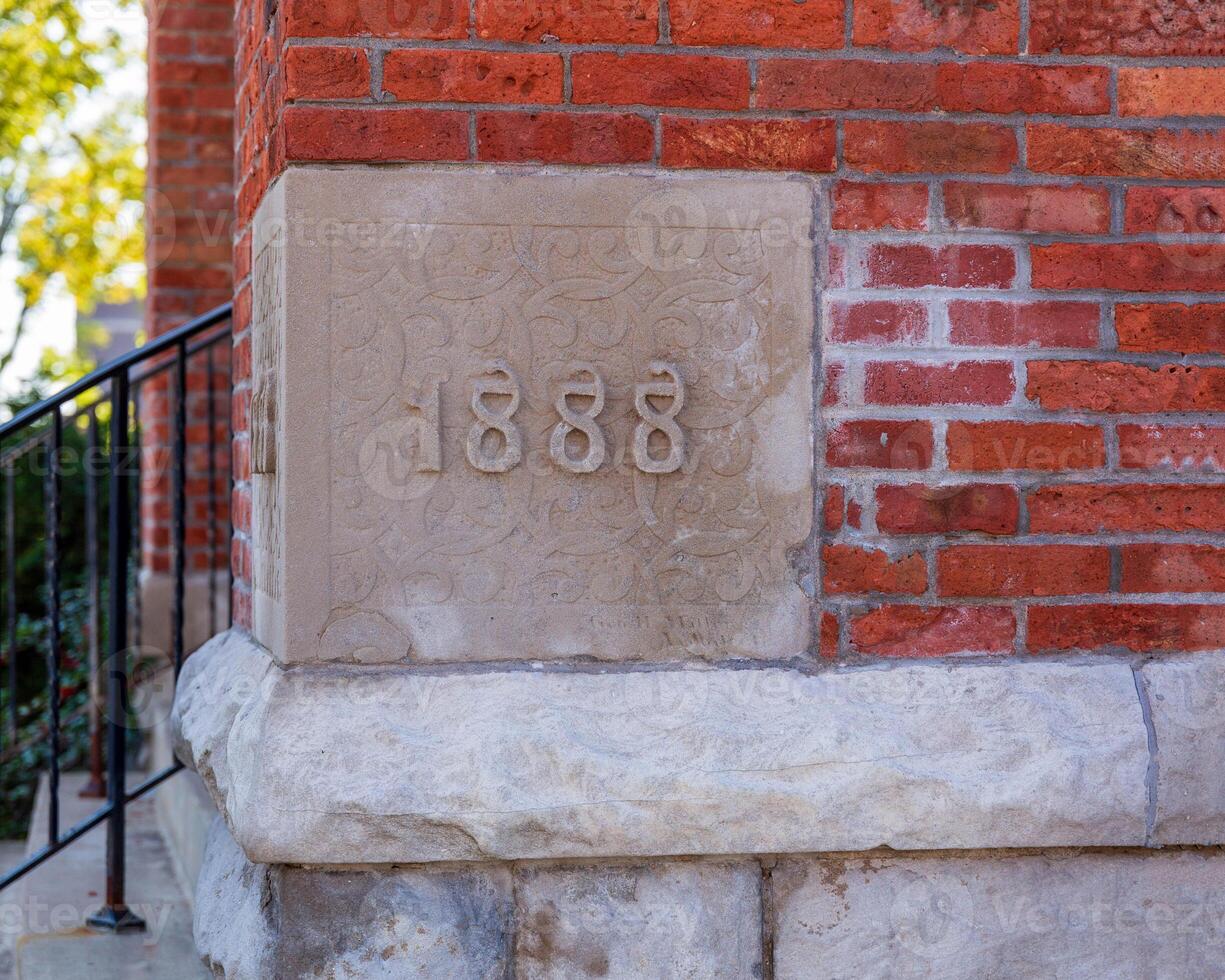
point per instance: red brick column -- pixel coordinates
(189, 215)
(1022, 330)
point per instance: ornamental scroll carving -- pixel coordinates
(541, 446)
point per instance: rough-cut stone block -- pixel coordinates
(1069, 916)
(553, 415)
(1187, 702)
(234, 927)
(255, 922)
(218, 681)
(342, 765)
(669, 921)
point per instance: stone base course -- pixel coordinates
(390, 822)
(337, 765)
(1066, 914)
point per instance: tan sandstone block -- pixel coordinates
(551, 415)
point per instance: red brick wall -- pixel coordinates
(189, 215)
(1022, 379)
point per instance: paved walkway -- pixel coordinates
(46, 912)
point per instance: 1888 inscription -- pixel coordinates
(568, 417)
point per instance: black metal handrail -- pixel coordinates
(117, 387)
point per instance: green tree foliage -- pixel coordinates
(70, 186)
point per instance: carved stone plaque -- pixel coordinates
(538, 416)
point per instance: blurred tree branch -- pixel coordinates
(71, 189)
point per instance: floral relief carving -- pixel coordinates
(534, 431)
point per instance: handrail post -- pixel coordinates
(96, 787)
(178, 617)
(10, 591)
(115, 916)
(53, 489)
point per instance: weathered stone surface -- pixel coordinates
(1187, 703)
(340, 765)
(670, 920)
(217, 682)
(1148, 914)
(508, 416)
(255, 922)
(235, 924)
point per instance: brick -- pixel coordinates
(758, 23)
(1090, 508)
(787, 83)
(990, 447)
(1156, 568)
(1139, 628)
(971, 26)
(1138, 267)
(555, 137)
(662, 80)
(193, 72)
(1191, 447)
(1175, 210)
(326, 73)
(837, 260)
(362, 135)
(829, 639)
(929, 147)
(472, 76)
(1156, 92)
(835, 508)
(1044, 324)
(854, 514)
(878, 322)
(1145, 327)
(1127, 27)
(880, 445)
(964, 383)
(849, 570)
(1049, 210)
(952, 266)
(868, 207)
(917, 508)
(835, 380)
(1108, 386)
(590, 22)
(1021, 572)
(1182, 154)
(1023, 88)
(933, 631)
(750, 144)
(425, 19)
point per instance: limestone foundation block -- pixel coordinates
(1066, 914)
(1187, 702)
(665, 921)
(1070, 916)
(255, 922)
(503, 415)
(343, 765)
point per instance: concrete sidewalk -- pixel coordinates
(43, 916)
